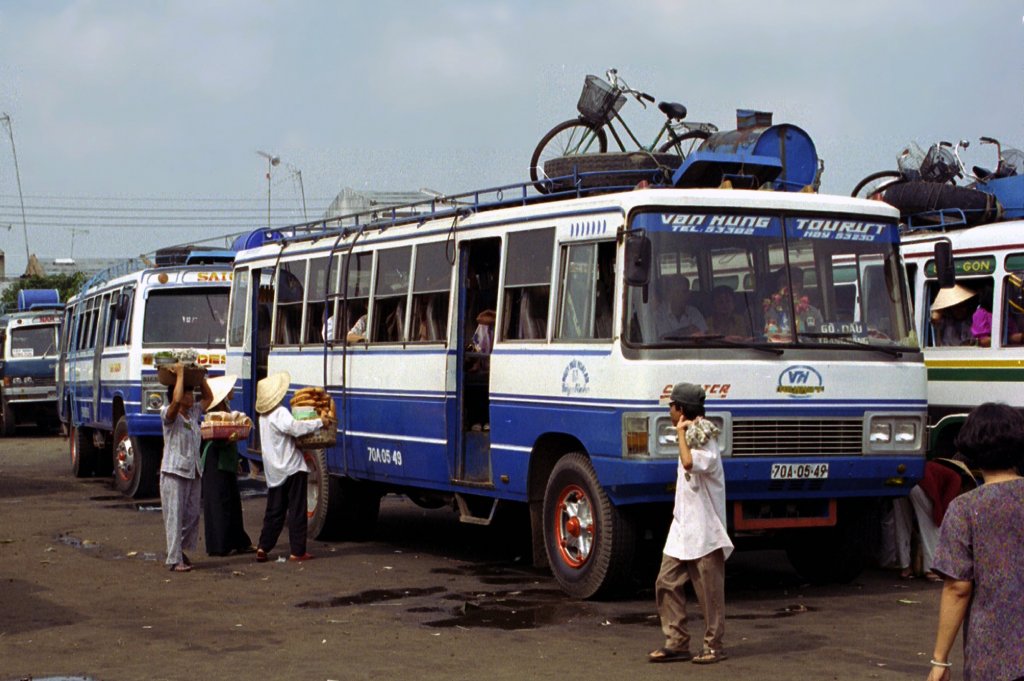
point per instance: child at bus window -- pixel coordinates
(952, 310)
(180, 471)
(724, 319)
(284, 467)
(698, 544)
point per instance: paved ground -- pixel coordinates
(83, 591)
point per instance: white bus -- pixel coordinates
(983, 367)
(110, 397)
(567, 412)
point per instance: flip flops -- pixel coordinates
(709, 656)
(668, 655)
(301, 559)
(261, 556)
(180, 567)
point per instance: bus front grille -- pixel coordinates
(805, 437)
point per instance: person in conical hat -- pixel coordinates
(284, 467)
(951, 316)
(222, 502)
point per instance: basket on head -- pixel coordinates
(599, 101)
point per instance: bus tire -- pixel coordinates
(7, 423)
(588, 541)
(615, 169)
(136, 463)
(82, 451)
(338, 508)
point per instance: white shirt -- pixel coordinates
(281, 456)
(688, 323)
(698, 519)
(182, 440)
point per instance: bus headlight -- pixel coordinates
(154, 401)
(27, 380)
(16, 380)
(888, 433)
(636, 434)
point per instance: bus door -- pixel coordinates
(259, 294)
(479, 263)
(99, 334)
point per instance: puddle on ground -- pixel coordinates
(787, 611)
(108, 497)
(637, 618)
(76, 543)
(371, 597)
(142, 508)
(510, 610)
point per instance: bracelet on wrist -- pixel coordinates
(944, 665)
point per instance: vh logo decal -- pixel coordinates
(800, 381)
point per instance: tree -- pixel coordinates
(67, 285)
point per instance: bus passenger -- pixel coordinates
(675, 315)
(698, 543)
(724, 319)
(180, 473)
(284, 467)
(951, 316)
(782, 303)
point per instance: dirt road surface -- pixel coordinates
(84, 592)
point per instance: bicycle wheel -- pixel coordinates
(570, 138)
(684, 144)
(875, 183)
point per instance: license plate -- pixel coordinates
(799, 471)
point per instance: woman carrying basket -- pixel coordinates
(222, 503)
(284, 467)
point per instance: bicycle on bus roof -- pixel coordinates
(599, 105)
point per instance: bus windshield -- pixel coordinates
(190, 318)
(721, 278)
(34, 341)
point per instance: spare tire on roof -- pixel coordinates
(912, 198)
(617, 169)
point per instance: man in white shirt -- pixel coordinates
(675, 316)
(697, 543)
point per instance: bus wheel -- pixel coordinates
(589, 543)
(6, 420)
(338, 508)
(83, 453)
(136, 470)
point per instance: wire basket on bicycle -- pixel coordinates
(599, 101)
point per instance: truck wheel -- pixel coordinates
(589, 543)
(136, 463)
(6, 420)
(338, 508)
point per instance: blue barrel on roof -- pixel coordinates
(255, 238)
(37, 298)
(755, 136)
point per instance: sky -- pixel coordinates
(137, 124)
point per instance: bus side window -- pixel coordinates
(353, 299)
(390, 294)
(527, 284)
(316, 297)
(431, 290)
(1013, 309)
(291, 277)
(586, 293)
(124, 332)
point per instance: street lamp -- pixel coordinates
(271, 162)
(302, 190)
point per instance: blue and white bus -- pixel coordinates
(567, 412)
(107, 380)
(28, 360)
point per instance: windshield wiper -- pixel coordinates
(723, 342)
(848, 341)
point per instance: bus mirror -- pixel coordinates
(121, 311)
(944, 269)
(638, 259)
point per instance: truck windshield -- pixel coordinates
(759, 279)
(191, 318)
(34, 341)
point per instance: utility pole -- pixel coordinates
(302, 190)
(271, 162)
(6, 120)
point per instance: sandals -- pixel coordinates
(709, 656)
(669, 655)
(301, 559)
(180, 567)
(261, 556)
(932, 577)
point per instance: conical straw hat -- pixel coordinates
(220, 387)
(948, 297)
(271, 390)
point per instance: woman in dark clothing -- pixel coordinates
(222, 504)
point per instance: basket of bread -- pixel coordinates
(315, 403)
(225, 425)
